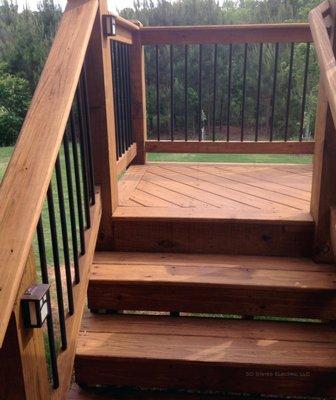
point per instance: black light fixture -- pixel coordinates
(35, 305)
(109, 25)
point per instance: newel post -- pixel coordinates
(100, 91)
(138, 93)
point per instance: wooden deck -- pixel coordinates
(275, 192)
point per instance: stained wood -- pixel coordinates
(224, 237)
(271, 33)
(138, 96)
(221, 147)
(239, 356)
(173, 282)
(34, 156)
(217, 192)
(99, 73)
(126, 159)
(66, 358)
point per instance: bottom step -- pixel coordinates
(207, 354)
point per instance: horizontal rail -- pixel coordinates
(28, 175)
(325, 54)
(226, 34)
(230, 147)
(126, 159)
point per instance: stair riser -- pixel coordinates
(211, 299)
(298, 381)
(244, 238)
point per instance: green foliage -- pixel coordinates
(25, 39)
(211, 12)
(14, 100)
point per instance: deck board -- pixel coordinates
(224, 191)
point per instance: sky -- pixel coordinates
(114, 5)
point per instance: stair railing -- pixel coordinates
(59, 190)
(322, 24)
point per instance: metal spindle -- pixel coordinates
(304, 94)
(186, 92)
(214, 94)
(88, 136)
(77, 182)
(258, 91)
(83, 157)
(244, 94)
(229, 93)
(71, 205)
(200, 61)
(171, 92)
(120, 81)
(116, 96)
(50, 324)
(57, 267)
(124, 95)
(289, 90)
(157, 92)
(65, 238)
(129, 103)
(275, 76)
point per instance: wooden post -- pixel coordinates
(23, 365)
(100, 91)
(138, 90)
(324, 171)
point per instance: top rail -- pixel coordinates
(26, 180)
(325, 52)
(270, 33)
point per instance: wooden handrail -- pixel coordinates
(28, 175)
(325, 53)
(270, 33)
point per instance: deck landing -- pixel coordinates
(275, 192)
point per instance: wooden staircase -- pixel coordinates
(205, 348)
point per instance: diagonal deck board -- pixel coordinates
(226, 191)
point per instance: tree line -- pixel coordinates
(26, 37)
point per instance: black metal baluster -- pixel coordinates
(304, 94)
(157, 92)
(50, 324)
(71, 205)
(289, 90)
(171, 93)
(214, 94)
(77, 181)
(258, 91)
(115, 80)
(123, 96)
(64, 231)
(186, 92)
(275, 76)
(88, 136)
(57, 267)
(83, 157)
(200, 61)
(244, 94)
(129, 103)
(229, 93)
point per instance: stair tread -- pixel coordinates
(214, 270)
(238, 343)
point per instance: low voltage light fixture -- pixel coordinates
(35, 305)
(109, 25)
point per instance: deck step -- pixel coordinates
(263, 286)
(207, 354)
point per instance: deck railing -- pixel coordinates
(92, 97)
(322, 23)
(240, 104)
